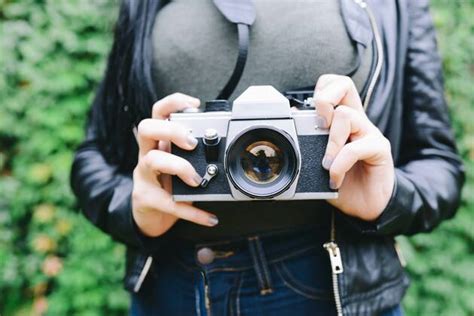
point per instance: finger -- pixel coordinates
(193, 214)
(163, 178)
(150, 131)
(373, 150)
(334, 90)
(346, 122)
(163, 162)
(173, 103)
(160, 200)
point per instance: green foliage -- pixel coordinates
(441, 263)
(52, 55)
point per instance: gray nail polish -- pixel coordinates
(213, 220)
(327, 162)
(321, 122)
(332, 185)
(191, 140)
(197, 179)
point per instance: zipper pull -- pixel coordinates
(334, 256)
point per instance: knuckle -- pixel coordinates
(147, 159)
(335, 172)
(322, 101)
(321, 98)
(386, 143)
(143, 126)
(156, 106)
(333, 145)
(175, 98)
(328, 77)
(176, 95)
(342, 113)
(322, 79)
(137, 197)
(347, 81)
(152, 160)
(169, 205)
(138, 173)
(350, 151)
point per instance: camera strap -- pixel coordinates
(243, 14)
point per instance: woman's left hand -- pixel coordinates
(358, 156)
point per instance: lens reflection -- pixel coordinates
(262, 162)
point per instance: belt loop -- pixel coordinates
(260, 265)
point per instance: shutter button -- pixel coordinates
(205, 255)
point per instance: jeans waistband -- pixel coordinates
(240, 253)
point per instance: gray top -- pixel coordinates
(292, 43)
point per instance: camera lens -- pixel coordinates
(262, 162)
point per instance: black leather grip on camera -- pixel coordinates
(312, 176)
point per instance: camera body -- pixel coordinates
(261, 150)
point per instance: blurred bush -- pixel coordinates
(51, 58)
(53, 261)
(441, 264)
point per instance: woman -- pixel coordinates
(391, 154)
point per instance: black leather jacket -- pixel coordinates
(408, 106)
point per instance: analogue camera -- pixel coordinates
(261, 150)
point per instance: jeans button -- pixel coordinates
(205, 255)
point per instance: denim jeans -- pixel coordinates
(285, 273)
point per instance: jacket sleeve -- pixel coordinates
(103, 193)
(429, 174)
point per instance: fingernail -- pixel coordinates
(327, 162)
(191, 140)
(197, 179)
(213, 220)
(321, 122)
(332, 185)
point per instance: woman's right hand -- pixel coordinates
(154, 209)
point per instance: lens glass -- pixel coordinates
(262, 162)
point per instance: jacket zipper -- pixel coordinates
(380, 52)
(143, 273)
(401, 257)
(331, 246)
(336, 264)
